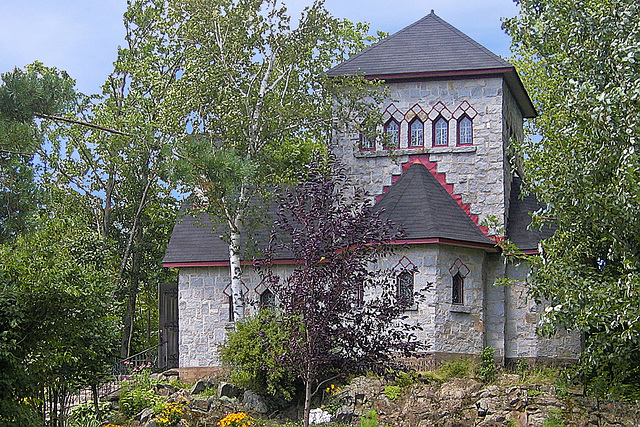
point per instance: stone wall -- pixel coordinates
(523, 315)
(476, 172)
(203, 306)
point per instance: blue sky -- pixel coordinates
(82, 36)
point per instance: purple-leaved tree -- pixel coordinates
(343, 313)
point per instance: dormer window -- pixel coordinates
(392, 129)
(465, 131)
(440, 133)
(416, 134)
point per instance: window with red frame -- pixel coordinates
(440, 133)
(392, 129)
(465, 131)
(416, 133)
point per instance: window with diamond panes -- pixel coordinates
(465, 131)
(416, 134)
(440, 133)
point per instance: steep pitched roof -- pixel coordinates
(425, 210)
(428, 45)
(432, 47)
(520, 209)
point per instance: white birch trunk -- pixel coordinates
(235, 271)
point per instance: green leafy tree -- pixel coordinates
(252, 102)
(581, 65)
(123, 175)
(56, 333)
(25, 95)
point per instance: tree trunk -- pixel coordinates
(132, 295)
(307, 401)
(235, 271)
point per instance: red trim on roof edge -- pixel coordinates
(442, 179)
(443, 241)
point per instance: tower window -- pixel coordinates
(416, 134)
(440, 133)
(367, 143)
(465, 131)
(392, 129)
(457, 296)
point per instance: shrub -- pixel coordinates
(554, 419)
(406, 379)
(487, 369)
(137, 392)
(371, 419)
(392, 392)
(170, 414)
(254, 351)
(458, 368)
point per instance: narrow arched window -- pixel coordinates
(440, 132)
(457, 296)
(416, 134)
(465, 131)
(392, 129)
(267, 299)
(405, 287)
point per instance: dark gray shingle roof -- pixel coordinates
(520, 209)
(432, 47)
(426, 210)
(196, 238)
(428, 45)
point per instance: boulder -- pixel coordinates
(319, 416)
(229, 390)
(254, 402)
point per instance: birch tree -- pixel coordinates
(253, 102)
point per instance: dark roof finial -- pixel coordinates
(432, 12)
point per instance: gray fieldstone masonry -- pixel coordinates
(478, 175)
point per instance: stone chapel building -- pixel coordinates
(453, 107)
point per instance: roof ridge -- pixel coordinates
(381, 42)
(469, 39)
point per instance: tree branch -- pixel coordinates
(80, 122)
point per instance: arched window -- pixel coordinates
(416, 134)
(465, 131)
(405, 287)
(440, 132)
(267, 299)
(457, 296)
(392, 128)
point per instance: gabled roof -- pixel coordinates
(425, 210)
(520, 209)
(432, 48)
